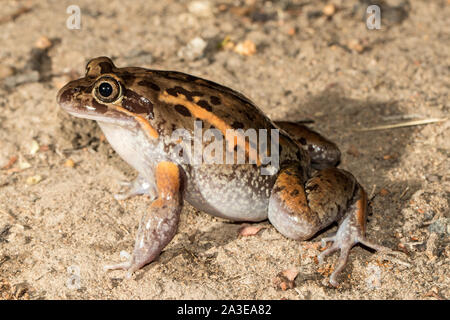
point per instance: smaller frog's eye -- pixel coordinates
(107, 90)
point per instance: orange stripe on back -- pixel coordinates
(200, 113)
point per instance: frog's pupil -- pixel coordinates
(105, 89)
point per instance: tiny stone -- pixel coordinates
(246, 48)
(43, 43)
(34, 179)
(24, 165)
(329, 10)
(69, 163)
(200, 8)
(193, 50)
(439, 226)
(34, 147)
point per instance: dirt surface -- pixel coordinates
(315, 60)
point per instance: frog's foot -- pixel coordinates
(159, 225)
(350, 232)
(138, 186)
(346, 237)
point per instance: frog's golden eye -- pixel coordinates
(107, 90)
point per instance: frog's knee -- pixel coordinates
(288, 207)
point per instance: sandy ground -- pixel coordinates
(59, 222)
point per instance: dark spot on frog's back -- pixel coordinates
(237, 125)
(182, 110)
(205, 105)
(215, 100)
(180, 90)
(135, 103)
(149, 84)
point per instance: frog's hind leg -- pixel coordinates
(323, 152)
(299, 208)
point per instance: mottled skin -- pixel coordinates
(138, 117)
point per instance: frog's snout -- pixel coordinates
(66, 96)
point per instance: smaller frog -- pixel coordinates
(139, 110)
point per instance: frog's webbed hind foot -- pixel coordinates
(351, 231)
(138, 186)
(344, 241)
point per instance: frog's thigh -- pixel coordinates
(298, 209)
(323, 152)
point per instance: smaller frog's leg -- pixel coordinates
(323, 152)
(300, 209)
(159, 225)
(138, 186)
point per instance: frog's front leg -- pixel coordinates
(300, 207)
(138, 186)
(159, 225)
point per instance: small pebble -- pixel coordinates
(69, 163)
(200, 8)
(34, 179)
(355, 45)
(329, 10)
(439, 226)
(246, 48)
(23, 165)
(34, 147)
(193, 50)
(43, 43)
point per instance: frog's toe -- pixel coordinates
(324, 240)
(385, 252)
(129, 265)
(334, 247)
(120, 266)
(342, 261)
(137, 187)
